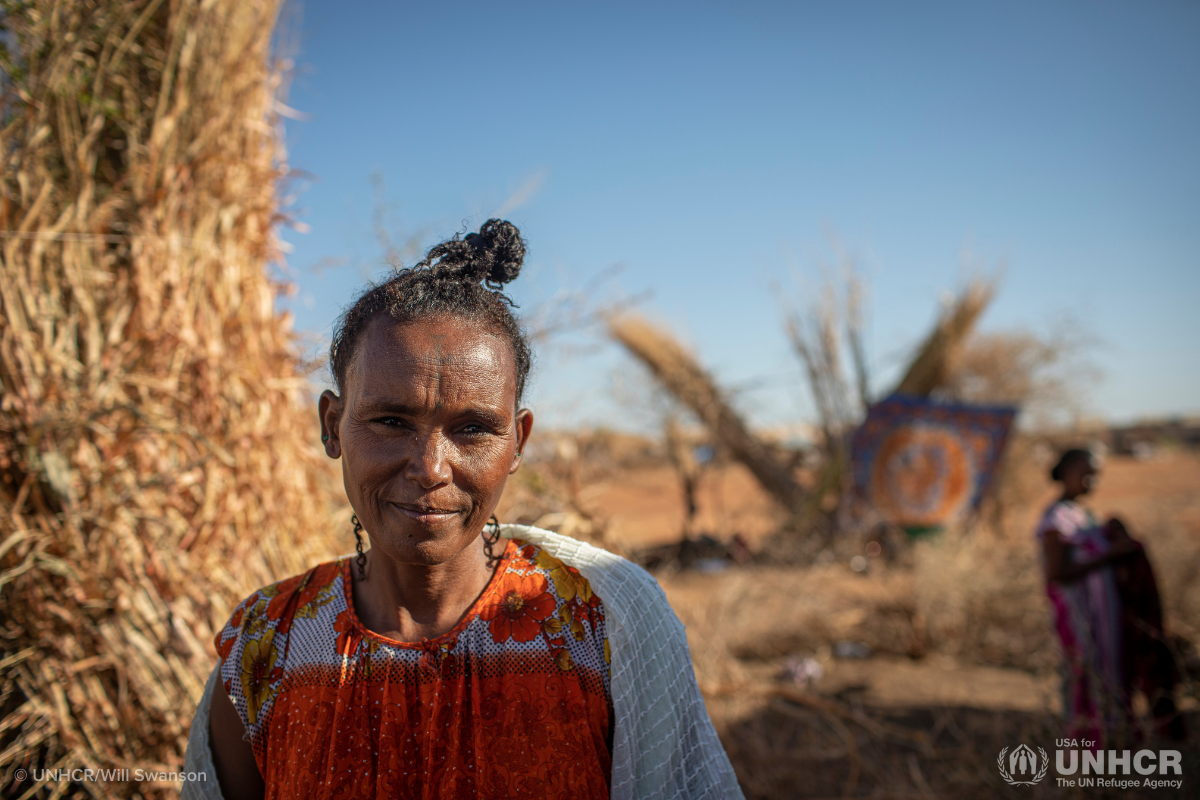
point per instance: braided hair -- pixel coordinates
(461, 277)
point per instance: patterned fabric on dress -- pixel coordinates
(515, 701)
(1087, 618)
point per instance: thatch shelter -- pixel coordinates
(158, 451)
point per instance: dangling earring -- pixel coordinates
(358, 548)
(489, 541)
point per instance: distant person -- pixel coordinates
(456, 657)
(1107, 614)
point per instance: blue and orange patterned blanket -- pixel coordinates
(923, 463)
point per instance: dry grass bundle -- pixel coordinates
(683, 376)
(833, 324)
(151, 472)
(929, 368)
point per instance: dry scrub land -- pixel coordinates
(963, 661)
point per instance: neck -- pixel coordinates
(411, 602)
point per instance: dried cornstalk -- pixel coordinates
(818, 336)
(817, 342)
(155, 463)
(929, 368)
(680, 373)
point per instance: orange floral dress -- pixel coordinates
(513, 702)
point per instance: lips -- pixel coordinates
(425, 514)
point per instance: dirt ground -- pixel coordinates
(644, 506)
(961, 659)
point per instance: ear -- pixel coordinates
(329, 408)
(524, 426)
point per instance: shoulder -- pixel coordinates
(278, 605)
(628, 591)
(607, 572)
(572, 552)
(567, 581)
(253, 645)
(1058, 516)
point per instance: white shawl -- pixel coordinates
(664, 744)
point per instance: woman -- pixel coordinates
(1107, 615)
(455, 657)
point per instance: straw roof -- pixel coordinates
(157, 459)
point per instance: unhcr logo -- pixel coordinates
(1022, 762)
(1144, 762)
(1089, 767)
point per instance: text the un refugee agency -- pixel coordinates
(1080, 764)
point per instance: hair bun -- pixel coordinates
(495, 254)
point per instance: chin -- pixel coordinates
(418, 544)
(425, 554)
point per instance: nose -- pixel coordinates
(428, 466)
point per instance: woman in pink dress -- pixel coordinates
(1107, 614)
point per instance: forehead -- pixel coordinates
(456, 354)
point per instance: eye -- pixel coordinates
(391, 422)
(473, 429)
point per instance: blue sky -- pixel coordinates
(711, 149)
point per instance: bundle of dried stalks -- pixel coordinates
(818, 338)
(680, 373)
(930, 366)
(151, 465)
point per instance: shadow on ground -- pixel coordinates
(788, 750)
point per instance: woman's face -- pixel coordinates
(1079, 477)
(428, 433)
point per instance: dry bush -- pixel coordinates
(763, 614)
(980, 589)
(983, 600)
(1046, 375)
(785, 741)
(1017, 488)
(154, 465)
(542, 496)
(546, 490)
(976, 598)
